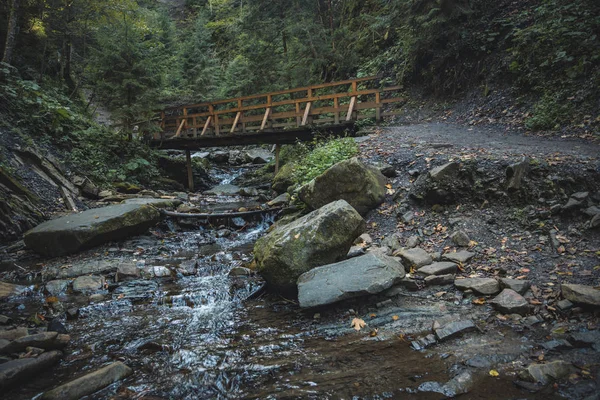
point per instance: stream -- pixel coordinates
(200, 333)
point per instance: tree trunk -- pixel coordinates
(11, 32)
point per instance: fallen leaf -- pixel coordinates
(389, 186)
(296, 236)
(372, 315)
(373, 333)
(395, 317)
(479, 301)
(51, 299)
(358, 324)
(493, 372)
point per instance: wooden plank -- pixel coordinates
(277, 150)
(378, 109)
(180, 127)
(206, 125)
(265, 118)
(298, 118)
(190, 174)
(306, 112)
(351, 108)
(235, 121)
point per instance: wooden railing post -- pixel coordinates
(298, 117)
(351, 108)
(377, 106)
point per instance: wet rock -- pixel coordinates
(510, 302)
(518, 285)
(362, 186)
(454, 329)
(413, 242)
(460, 384)
(438, 268)
(462, 256)
(219, 156)
(240, 271)
(136, 290)
(581, 294)
(460, 238)
(57, 287)
(259, 155)
(158, 203)
(280, 200)
(88, 283)
(96, 298)
(90, 228)
(224, 190)
(595, 222)
(547, 373)
(12, 372)
(8, 289)
(187, 267)
(284, 178)
(4, 320)
(80, 268)
(585, 339)
(392, 243)
(156, 271)
(433, 280)
(485, 286)
(364, 239)
(89, 383)
(564, 305)
(408, 216)
(355, 251)
(416, 257)
(359, 276)
(127, 270)
(318, 238)
(424, 342)
(515, 174)
(221, 233)
(249, 192)
(44, 340)
(57, 326)
(557, 344)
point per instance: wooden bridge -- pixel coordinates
(285, 116)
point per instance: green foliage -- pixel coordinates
(322, 155)
(549, 113)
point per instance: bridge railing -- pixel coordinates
(328, 103)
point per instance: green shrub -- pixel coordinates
(549, 113)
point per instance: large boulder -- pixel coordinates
(15, 371)
(90, 228)
(259, 155)
(440, 185)
(358, 276)
(284, 178)
(362, 186)
(321, 237)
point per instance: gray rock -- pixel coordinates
(392, 243)
(90, 228)
(547, 373)
(581, 196)
(13, 334)
(433, 280)
(581, 294)
(321, 237)
(518, 285)
(592, 211)
(80, 268)
(8, 290)
(585, 339)
(462, 256)
(359, 276)
(362, 186)
(460, 384)
(240, 271)
(408, 216)
(510, 302)
(454, 329)
(424, 342)
(224, 190)
(14, 371)
(96, 298)
(572, 204)
(89, 383)
(485, 286)
(219, 156)
(438, 268)
(365, 239)
(127, 270)
(44, 340)
(356, 251)
(4, 320)
(136, 290)
(386, 169)
(444, 172)
(460, 238)
(259, 155)
(564, 305)
(249, 192)
(158, 203)
(88, 283)
(284, 178)
(595, 222)
(416, 257)
(280, 200)
(413, 241)
(515, 174)
(56, 287)
(556, 344)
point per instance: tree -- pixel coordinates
(11, 32)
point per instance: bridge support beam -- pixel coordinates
(190, 174)
(277, 150)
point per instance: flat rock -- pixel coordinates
(89, 383)
(8, 289)
(224, 190)
(485, 286)
(462, 256)
(57, 286)
(581, 294)
(460, 238)
(158, 203)
(547, 373)
(585, 339)
(88, 283)
(89, 267)
(12, 372)
(454, 329)
(510, 302)
(438, 268)
(90, 228)
(432, 280)
(138, 290)
(415, 257)
(358, 276)
(443, 172)
(518, 285)
(319, 238)
(280, 200)
(127, 270)
(12, 334)
(43, 340)
(424, 342)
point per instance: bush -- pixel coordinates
(549, 113)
